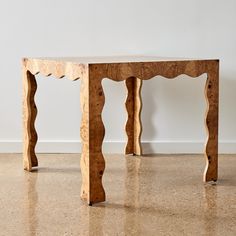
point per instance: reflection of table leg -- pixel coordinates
(210, 210)
(212, 97)
(133, 106)
(31, 204)
(96, 227)
(132, 195)
(29, 116)
(92, 134)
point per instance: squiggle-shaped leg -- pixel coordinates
(133, 106)
(92, 134)
(29, 116)
(212, 97)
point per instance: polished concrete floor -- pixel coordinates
(151, 195)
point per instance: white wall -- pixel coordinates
(173, 110)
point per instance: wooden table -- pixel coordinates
(132, 70)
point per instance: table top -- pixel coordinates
(120, 67)
(116, 59)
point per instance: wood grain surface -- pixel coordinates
(133, 106)
(29, 115)
(134, 73)
(212, 98)
(92, 134)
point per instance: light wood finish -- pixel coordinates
(55, 68)
(212, 98)
(92, 134)
(29, 116)
(132, 69)
(133, 106)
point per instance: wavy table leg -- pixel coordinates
(29, 116)
(133, 106)
(212, 98)
(92, 134)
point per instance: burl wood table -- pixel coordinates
(132, 70)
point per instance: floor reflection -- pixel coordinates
(210, 209)
(145, 195)
(132, 187)
(31, 201)
(96, 220)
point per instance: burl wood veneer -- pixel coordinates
(133, 70)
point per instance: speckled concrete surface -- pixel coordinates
(151, 195)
